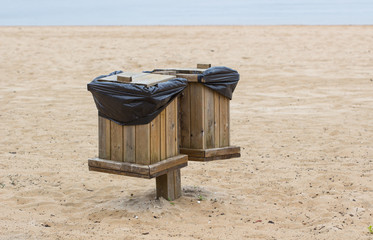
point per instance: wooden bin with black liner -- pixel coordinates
(145, 151)
(204, 119)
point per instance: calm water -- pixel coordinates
(192, 12)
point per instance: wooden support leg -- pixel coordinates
(169, 185)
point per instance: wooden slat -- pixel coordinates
(193, 152)
(151, 79)
(163, 134)
(229, 121)
(129, 144)
(185, 118)
(119, 166)
(171, 130)
(165, 72)
(168, 163)
(182, 70)
(203, 65)
(224, 122)
(220, 157)
(155, 140)
(129, 174)
(148, 171)
(103, 138)
(222, 151)
(116, 137)
(209, 118)
(189, 77)
(197, 130)
(143, 144)
(211, 152)
(217, 119)
(178, 124)
(176, 120)
(146, 79)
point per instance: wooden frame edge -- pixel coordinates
(137, 170)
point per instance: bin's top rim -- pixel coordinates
(146, 79)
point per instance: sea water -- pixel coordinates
(192, 12)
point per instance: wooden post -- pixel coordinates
(169, 185)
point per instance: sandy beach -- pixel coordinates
(302, 114)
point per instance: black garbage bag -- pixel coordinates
(132, 104)
(220, 79)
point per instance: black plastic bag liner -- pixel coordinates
(132, 104)
(220, 79)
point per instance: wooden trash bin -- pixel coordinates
(204, 119)
(145, 151)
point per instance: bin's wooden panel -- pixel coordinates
(162, 116)
(185, 118)
(209, 118)
(171, 129)
(129, 144)
(224, 122)
(116, 139)
(197, 126)
(217, 120)
(204, 117)
(155, 140)
(141, 144)
(104, 138)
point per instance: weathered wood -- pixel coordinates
(138, 170)
(129, 174)
(221, 157)
(155, 140)
(151, 79)
(169, 185)
(119, 166)
(164, 186)
(178, 124)
(125, 79)
(163, 134)
(185, 118)
(103, 138)
(212, 153)
(129, 144)
(193, 152)
(171, 72)
(216, 119)
(116, 136)
(203, 65)
(177, 179)
(171, 129)
(224, 122)
(197, 130)
(189, 77)
(209, 118)
(176, 116)
(146, 79)
(168, 163)
(182, 70)
(143, 144)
